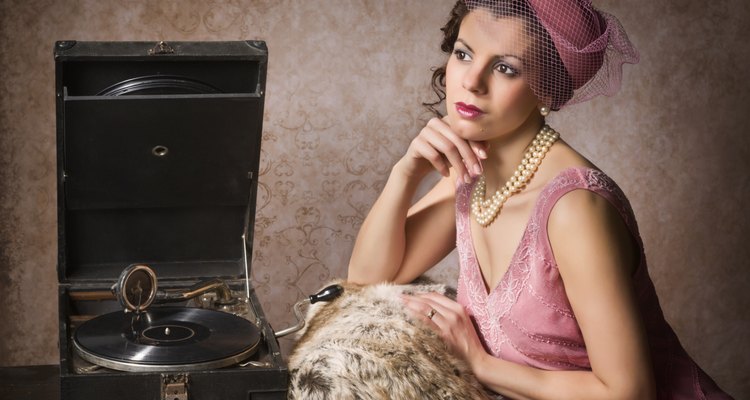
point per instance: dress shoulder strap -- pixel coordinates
(589, 179)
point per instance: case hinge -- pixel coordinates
(174, 387)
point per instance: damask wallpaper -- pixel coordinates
(345, 84)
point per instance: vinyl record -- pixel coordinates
(158, 84)
(166, 339)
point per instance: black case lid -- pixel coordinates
(158, 151)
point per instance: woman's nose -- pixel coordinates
(474, 80)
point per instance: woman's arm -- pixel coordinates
(596, 256)
(397, 242)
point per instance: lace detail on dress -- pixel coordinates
(491, 310)
(551, 306)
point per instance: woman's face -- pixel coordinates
(487, 95)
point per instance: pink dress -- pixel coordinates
(527, 319)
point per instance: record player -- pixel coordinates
(158, 150)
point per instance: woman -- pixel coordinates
(554, 297)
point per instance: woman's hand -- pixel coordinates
(438, 146)
(450, 321)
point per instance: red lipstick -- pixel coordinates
(468, 111)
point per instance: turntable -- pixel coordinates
(158, 150)
(143, 338)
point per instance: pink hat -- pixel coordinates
(590, 45)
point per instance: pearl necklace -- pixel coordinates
(485, 210)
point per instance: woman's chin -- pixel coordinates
(468, 130)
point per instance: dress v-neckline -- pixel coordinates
(486, 289)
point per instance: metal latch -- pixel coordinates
(174, 387)
(161, 48)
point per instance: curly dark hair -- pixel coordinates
(553, 82)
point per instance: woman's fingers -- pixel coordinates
(442, 301)
(427, 151)
(452, 152)
(433, 313)
(419, 308)
(480, 149)
(458, 151)
(468, 156)
(443, 149)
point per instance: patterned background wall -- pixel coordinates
(345, 83)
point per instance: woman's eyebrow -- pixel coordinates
(465, 44)
(505, 57)
(497, 56)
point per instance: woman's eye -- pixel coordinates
(506, 69)
(461, 55)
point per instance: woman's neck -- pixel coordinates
(506, 152)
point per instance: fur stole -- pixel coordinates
(364, 345)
